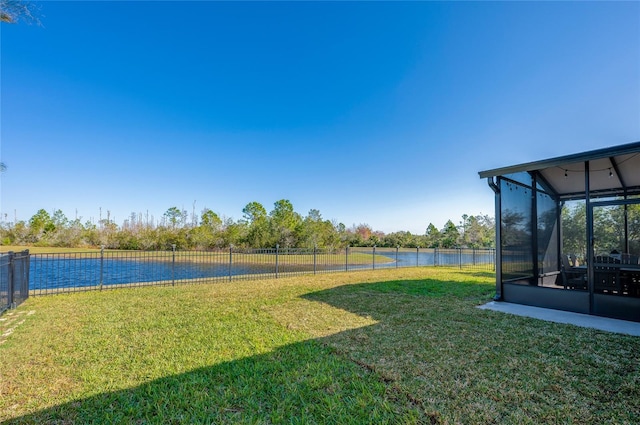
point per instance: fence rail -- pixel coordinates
(70, 272)
(14, 279)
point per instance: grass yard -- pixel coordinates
(46, 249)
(390, 346)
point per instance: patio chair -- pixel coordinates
(573, 260)
(573, 277)
(606, 275)
(630, 279)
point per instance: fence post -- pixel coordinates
(397, 249)
(460, 258)
(10, 271)
(346, 259)
(277, 253)
(28, 266)
(101, 266)
(173, 265)
(374, 257)
(493, 259)
(417, 256)
(230, 260)
(474, 257)
(435, 256)
(315, 250)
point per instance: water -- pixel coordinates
(433, 258)
(56, 272)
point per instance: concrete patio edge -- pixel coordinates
(559, 316)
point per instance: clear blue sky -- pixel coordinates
(378, 113)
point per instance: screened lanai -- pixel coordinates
(568, 232)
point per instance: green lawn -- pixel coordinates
(45, 249)
(389, 346)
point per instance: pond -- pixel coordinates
(65, 272)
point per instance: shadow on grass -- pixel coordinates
(299, 383)
(431, 357)
(476, 366)
(304, 382)
(474, 287)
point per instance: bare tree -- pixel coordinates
(12, 11)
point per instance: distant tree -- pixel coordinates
(316, 232)
(254, 211)
(364, 231)
(90, 234)
(574, 225)
(232, 233)
(331, 237)
(450, 235)
(108, 232)
(206, 234)
(633, 215)
(16, 234)
(312, 229)
(516, 229)
(374, 239)
(257, 232)
(433, 236)
(358, 235)
(285, 224)
(210, 219)
(174, 216)
(59, 219)
(477, 231)
(399, 239)
(40, 224)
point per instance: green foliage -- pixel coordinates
(207, 234)
(608, 229)
(450, 235)
(257, 229)
(257, 233)
(254, 211)
(210, 220)
(477, 231)
(174, 216)
(433, 236)
(633, 218)
(40, 225)
(285, 224)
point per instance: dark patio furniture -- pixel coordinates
(606, 275)
(630, 279)
(573, 277)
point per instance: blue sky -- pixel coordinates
(372, 112)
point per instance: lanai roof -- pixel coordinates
(613, 171)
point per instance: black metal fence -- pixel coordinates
(14, 279)
(69, 272)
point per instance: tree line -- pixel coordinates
(608, 229)
(257, 228)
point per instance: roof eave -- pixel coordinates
(564, 160)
